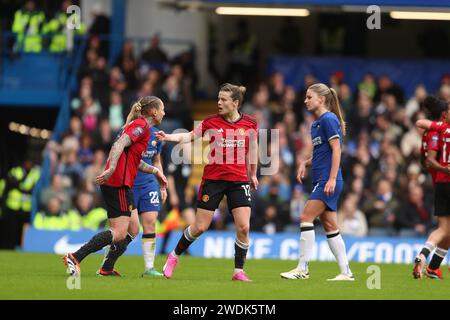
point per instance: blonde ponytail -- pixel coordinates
(335, 107)
(135, 112)
(141, 108)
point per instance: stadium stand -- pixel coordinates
(380, 105)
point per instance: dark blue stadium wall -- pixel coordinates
(35, 80)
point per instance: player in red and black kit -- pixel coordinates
(117, 180)
(436, 145)
(233, 146)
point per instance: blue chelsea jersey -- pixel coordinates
(154, 147)
(324, 129)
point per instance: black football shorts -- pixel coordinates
(212, 191)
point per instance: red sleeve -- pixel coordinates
(135, 130)
(433, 140)
(201, 128)
(438, 126)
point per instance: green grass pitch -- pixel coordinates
(42, 276)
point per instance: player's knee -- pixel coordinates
(119, 235)
(200, 229)
(329, 226)
(305, 218)
(243, 229)
(149, 227)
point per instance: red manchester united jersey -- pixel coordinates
(229, 145)
(430, 141)
(128, 164)
(444, 148)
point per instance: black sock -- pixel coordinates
(96, 243)
(116, 250)
(427, 248)
(437, 258)
(240, 254)
(425, 252)
(184, 242)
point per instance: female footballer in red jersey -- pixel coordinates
(117, 180)
(233, 146)
(436, 145)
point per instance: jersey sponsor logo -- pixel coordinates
(205, 198)
(220, 130)
(317, 141)
(231, 143)
(241, 131)
(137, 132)
(148, 154)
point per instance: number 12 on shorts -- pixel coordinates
(246, 188)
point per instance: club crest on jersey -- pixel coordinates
(137, 132)
(434, 141)
(153, 143)
(205, 198)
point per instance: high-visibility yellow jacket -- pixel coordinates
(95, 219)
(53, 223)
(27, 26)
(58, 27)
(19, 198)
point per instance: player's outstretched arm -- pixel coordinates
(114, 155)
(175, 137)
(424, 124)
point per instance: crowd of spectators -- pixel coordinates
(98, 111)
(387, 192)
